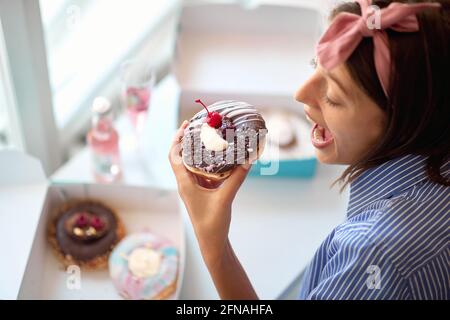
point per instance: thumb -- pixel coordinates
(235, 180)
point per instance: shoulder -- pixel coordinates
(412, 228)
(395, 248)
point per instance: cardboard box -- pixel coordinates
(29, 268)
(260, 55)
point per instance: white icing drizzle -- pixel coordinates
(238, 112)
(244, 119)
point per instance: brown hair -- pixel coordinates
(418, 112)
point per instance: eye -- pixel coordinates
(330, 101)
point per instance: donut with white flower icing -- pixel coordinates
(144, 266)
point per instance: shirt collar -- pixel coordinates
(386, 180)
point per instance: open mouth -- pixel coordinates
(321, 136)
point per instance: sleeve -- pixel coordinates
(358, 269)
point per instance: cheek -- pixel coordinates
(354, 136)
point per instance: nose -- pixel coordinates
(308, 92)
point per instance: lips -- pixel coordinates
(321, 136)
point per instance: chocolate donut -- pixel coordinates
(84, 233)
(214, 152)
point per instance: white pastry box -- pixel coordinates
(29, 268)
(260, 55)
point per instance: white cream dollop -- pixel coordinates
(144, 262)
(211, 138)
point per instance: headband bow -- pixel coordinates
(347, 30)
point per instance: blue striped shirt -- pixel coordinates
(394, 243)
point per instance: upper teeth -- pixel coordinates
(318, 134)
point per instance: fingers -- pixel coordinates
(176, 162)
(235, 180)
(175, 148)
(179, 134)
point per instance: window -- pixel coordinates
(86, 42)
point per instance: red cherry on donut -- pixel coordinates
(97, 223)
(214, 119)
(81, 221)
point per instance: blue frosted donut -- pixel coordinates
(144, 266)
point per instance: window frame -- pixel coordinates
(25, 52)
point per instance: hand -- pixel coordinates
(209, 209)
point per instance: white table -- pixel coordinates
(278, 223)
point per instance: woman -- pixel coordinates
(380, 92)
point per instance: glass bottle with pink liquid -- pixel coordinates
(103, 141)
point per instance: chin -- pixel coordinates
(326, 156)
